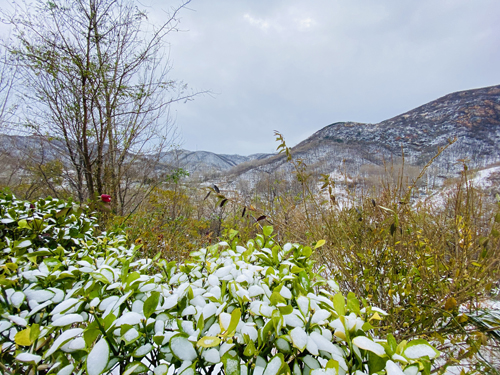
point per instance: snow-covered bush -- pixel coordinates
(74, 302)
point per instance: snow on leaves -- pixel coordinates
(258, 309)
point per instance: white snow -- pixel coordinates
(170, 302)
(17, 299)
(65, 305)
(293, 320)
(183, 349)
(320, 316)
(303, 303)
(160, 369)
(209, 310)
(63, 337)
(420, 350)
(131, 335)
(39, 295)
(67, 320)
(299, 338)
(77, 344)
(250, 331)
(143, 350)
(311, 346)
(285, 293)
(28, 357)
(393, 369)
(323, 344)
(224, 320)
(189, 310)
(17, 320)
(66, 370)
(98, 358)
(131, 318)
(211, 355)
(324, 371)
(273, 366)
(365, 343)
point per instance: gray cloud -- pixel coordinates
(297, 66)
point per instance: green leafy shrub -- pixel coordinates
(428, 265)
(77, 302)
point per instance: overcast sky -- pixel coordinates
(299, 65)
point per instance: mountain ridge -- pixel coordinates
(470, 117)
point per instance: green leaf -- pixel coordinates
(319, 243)
(39, 253)
(276, 298)
(151, 304)
(339, 304)
(306, 251)
(201, 323)
(23, 337)
(34, 332)
(304, 281)
(332, 363)
(124, 271)
(376, 363)
(132, 277)
(232, 233)
(231, 363)
(353, 303)
(277, 320)
(135, 367)
(265, 332)
(63, 212)
(296, 368)
(367, 326)
(285, 369)
(285, 310)
(267, 230)
(23, 224)
(249, 349)
(208, 342)
(91, 334)
(235, 319)
(275, 251)
(283, 345)
(392, 343)
(100, 277)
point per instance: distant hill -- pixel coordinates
(472, 117)
(205, 162)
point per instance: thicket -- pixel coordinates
(75, 301)
(432, 264)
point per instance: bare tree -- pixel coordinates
(96, 77)
(8, 71)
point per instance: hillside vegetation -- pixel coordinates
(431, 265)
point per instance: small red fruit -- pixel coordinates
(106, 198)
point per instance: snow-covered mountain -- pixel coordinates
(470, 119)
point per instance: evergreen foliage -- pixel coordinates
(76, 301)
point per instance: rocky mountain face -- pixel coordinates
(469, 118)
